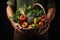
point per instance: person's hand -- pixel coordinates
(47, 27)
(17, 27)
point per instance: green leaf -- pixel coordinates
(16, 16)
(39, 13)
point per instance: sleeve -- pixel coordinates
(50, 4)
(11, 3)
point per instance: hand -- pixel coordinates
(17, 27)
(47, 27)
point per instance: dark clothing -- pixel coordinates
(24, 36)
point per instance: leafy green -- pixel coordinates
(16, 16)
(39, 13)
(28, 10)
(30, 20)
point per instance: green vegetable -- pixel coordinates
(29, 14)
(28, 9)
(39, 13)
(33, 25)
(30, 20)
(36, 26)
(16, 16)
(38, 19)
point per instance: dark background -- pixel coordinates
(6, 31)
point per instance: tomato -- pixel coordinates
(41, 24)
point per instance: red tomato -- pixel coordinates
(43, 18)
(41, 24)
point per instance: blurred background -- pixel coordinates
(6, 31)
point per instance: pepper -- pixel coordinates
(35, 20)
(23, 18)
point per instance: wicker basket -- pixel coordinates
(35, 30)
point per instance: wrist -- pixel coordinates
(11, 20)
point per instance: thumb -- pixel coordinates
(19, 27)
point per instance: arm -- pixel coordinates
(9, 10)
(51, 14)
(10, 14)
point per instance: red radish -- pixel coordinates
(43, 18)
